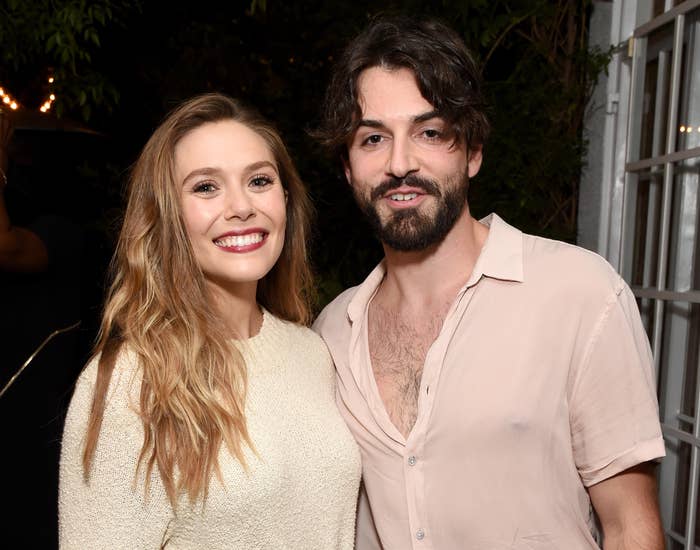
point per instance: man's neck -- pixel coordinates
(417, 279)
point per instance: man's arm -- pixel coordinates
(628, 509)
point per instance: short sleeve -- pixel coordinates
(614, 413)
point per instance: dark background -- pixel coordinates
(277, 55)
(121, 65)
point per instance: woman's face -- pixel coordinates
(233, 203)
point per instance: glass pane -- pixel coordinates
(697, 519)
(659, 7)
(647, 228)
(690, 377)
(684, 246)
(648, 111)
(654, 105)
(680, 501)
(678, 382)
(646, 309)
(689, 106)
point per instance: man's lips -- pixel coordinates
(404, 198)
(403, 193)
(410, 184)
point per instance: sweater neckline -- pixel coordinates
(264, 327)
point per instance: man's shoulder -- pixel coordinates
(569, 265)
(335, 314)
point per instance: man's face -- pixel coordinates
(407, 173)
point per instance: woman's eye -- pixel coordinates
(261, 181)
(204, 187)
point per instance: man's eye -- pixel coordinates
(374, 139)
(204, 187)
(432, 134)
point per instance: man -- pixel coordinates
(497, 383)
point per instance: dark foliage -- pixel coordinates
(276, 56)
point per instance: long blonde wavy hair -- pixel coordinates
(192, 395)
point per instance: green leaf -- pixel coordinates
(50, 43)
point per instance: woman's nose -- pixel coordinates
(238, 205)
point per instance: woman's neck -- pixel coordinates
(239, 309)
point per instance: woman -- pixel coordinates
(207, 417)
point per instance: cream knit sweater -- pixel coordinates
(300, 493)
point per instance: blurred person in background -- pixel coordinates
(42, 291)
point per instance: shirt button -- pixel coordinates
(420, 534)
(412, 460)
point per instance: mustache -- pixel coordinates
(424, 184)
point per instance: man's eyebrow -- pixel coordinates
(427, 116)
(371, 123)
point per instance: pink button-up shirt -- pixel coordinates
(539, 385)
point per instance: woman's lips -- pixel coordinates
(241, 241)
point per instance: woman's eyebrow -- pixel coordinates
(260, 164)
(204, 171)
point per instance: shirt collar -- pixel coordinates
(365, 291)
(502, 254)
(501, 258)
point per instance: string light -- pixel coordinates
(8, 100)
(46, 106)
(12, 103)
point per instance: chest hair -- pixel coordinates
(398, 346)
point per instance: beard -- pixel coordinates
(409, 230)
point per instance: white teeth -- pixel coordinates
(239, 240)
(403, 196)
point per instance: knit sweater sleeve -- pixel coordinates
(110, 509)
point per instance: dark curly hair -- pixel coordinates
(446, 75)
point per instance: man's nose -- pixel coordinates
(403, 160)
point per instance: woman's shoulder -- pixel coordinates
(121, 378)
(291, 332)
(287, 342)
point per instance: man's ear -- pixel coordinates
(347, 170)
(474, 157)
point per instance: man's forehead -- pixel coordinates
(390, 94)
